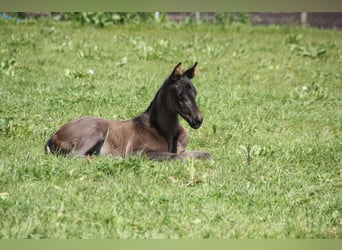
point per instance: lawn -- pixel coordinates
(271, 98)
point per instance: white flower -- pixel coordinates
(91, 72)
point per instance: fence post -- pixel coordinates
(303, 18)
(156, 16)
(198, 17)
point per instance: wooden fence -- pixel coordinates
(331, 20)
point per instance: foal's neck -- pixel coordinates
(164, 119)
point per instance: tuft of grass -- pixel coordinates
(271, 99)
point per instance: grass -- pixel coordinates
(271, 99)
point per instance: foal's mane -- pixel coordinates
(156, 96)
(153, 102)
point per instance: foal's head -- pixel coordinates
(181, 95)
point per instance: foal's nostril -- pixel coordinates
(199, 119)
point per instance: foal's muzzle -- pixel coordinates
(196, 121)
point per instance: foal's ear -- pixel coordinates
(190, 73)
(177, 71)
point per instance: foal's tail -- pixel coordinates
(49, 146)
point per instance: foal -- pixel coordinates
(156, 132)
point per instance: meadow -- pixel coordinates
(271, 99)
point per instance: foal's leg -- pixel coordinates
(90, 142)
(89, 146)
(162, 156)
(195, 154)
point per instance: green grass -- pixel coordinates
(271, 98)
